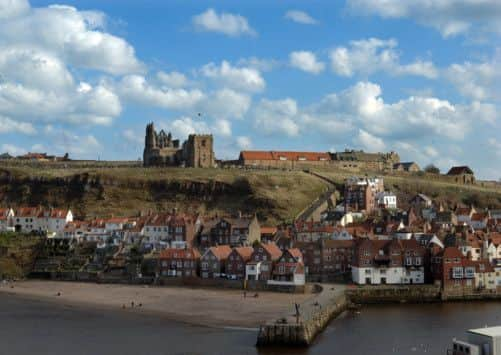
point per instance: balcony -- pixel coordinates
(382, 259)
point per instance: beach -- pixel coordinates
(206, 307)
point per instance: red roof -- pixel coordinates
(244, 252)
(295, 252)
(221, 252)
(268, 230)
(280, 155)
(28, 212)
(272, 249)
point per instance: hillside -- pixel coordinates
(483, 194)
(276, 196)
(123, 189)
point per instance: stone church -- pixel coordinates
(161, 150)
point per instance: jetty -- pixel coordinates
(307, 320)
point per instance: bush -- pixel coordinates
(432, 169)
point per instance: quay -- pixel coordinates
(301, 326)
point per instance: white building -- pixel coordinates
(386, 200)
(252, 270)
(6, 220)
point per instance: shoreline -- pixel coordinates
(223, 309)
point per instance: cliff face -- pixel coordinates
(90, 195)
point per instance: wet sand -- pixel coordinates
(207, 307)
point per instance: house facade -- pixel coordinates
(173, 262)
(388, 262)
(213, 262)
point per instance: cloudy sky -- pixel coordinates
(419, 76)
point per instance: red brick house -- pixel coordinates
(454, 272)
(236, 262)
(289, 269)
(312, 258)
(337, 256)
(233, 231)
(262, 260)
(178, 262)
(213, 262)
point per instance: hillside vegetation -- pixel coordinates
(483, 194)
(17, 254)
(276, 196)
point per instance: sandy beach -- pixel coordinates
(208, 307)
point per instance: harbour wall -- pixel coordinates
(301, 330)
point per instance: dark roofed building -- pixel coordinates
(462, 175)
(410, 167)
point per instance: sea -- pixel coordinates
(29, 326)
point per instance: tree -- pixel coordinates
(432, 169)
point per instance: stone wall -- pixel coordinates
(315, 314)
(373, 294)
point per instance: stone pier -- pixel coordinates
(314, 315)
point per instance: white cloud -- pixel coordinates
(222, 128)
(136, 88)
(370, 142)
(300, 17)
(75, 36)
(243, 78)
(229, 24)
(80, 105)
(61, 141)
(495, 144)
(450, 17)
(430, 151)
(13, 149)
(279, 116)
(360, 110)
(260, 64)
(479, 81)
(184, 126)
(13, 8)
(226, 103)
(8, 125)
(372, 55)
(306, 61)
(133, 136)
(244, 143)
(173, 79)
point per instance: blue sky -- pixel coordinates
(418, 77)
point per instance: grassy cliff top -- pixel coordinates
(276, 196)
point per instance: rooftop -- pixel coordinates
(493, 332)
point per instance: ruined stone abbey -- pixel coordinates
(161, 150)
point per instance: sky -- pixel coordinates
(420, 77)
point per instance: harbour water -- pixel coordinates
(34, 327)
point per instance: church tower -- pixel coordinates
(150, 143)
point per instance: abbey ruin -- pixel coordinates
(161, 150)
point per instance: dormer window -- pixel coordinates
(282, 158)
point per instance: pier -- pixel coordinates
(301, 326)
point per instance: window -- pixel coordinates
(408, 261)
(417, 261)
(457, 272)
(368, 271)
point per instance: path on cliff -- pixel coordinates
(325, 199)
